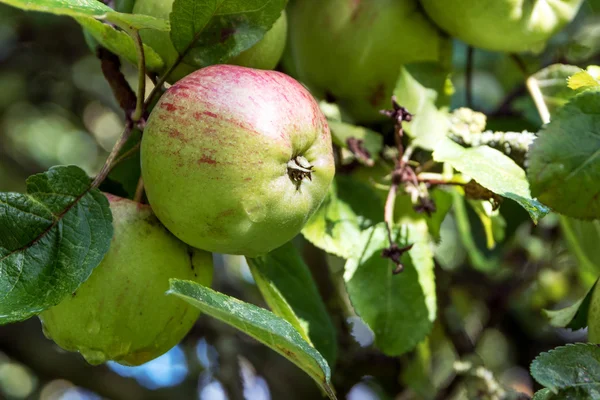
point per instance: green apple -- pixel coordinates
(122, 312)
(353, 50)
(235, 160)
(502, 25)
(263, 55)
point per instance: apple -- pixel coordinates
(353, 50)
(502, 25)
(594, 317)
(122, 312)
(235, 160)
(263, 55)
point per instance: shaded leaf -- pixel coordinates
(217, 30)
(492, 170)
(582, 238)
(51, 240)
(399, 309)
(572, 370)
(371, 141)
(349, 208)
(564, 162)
(573, 317)
(290, 291)
(262, 325)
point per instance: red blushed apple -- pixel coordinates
(235, 160)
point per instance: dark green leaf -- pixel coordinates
(492, 170)
(50, 240)
(544, 394)
(573, 317)
(262, 325)
(349, 208)
(288, 288)
(572, 370)
(564, 162)
(220, 29)
(399, 309)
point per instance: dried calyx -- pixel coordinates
(299, 168)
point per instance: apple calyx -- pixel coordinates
(298, 169)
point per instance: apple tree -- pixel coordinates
(425, 171)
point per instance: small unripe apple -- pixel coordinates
(353, 50)
(235, 160)
(122, 312)
(502, 25)
(263, 55)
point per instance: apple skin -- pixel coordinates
(502, 25)
(353, 50)
(215, 156)
(263, 55)
(122, 312)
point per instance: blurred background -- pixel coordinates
(56, 108)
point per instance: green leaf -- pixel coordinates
(349, 208)
(79, 8)
(582, 238)
(585, 79)
(564, 162)
(404, 211)
(51, 240)
(262, 325)
(492, 170)
(544, 394)
(138, 21)
(573, 371)
(119, 42)
(217, 30)
(90, 8)
(371, 140)
(573, 317)
(429, 125)
(399, 309)
(288, 288)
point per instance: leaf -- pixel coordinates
(573, 371)
(90, 8)
(51, 240)
(404, 211)
(262, 325)
(544, 394)
(79, 8)
(582, 238)
(217, 30)
(564, 162)
(350, 208)
(429, 125)
(371, 141)
(119, 42)
(583, 80)
(399, 309)
(288, 288)
(492, 170)
(573, 317)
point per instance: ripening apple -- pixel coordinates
(122, 312)
(235, 160)
(263, 55)
(353, 50)
(502, 25)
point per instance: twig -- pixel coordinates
(469, 76)
(538, 99)
(125, 156)
(113, 154)
(139, 191)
